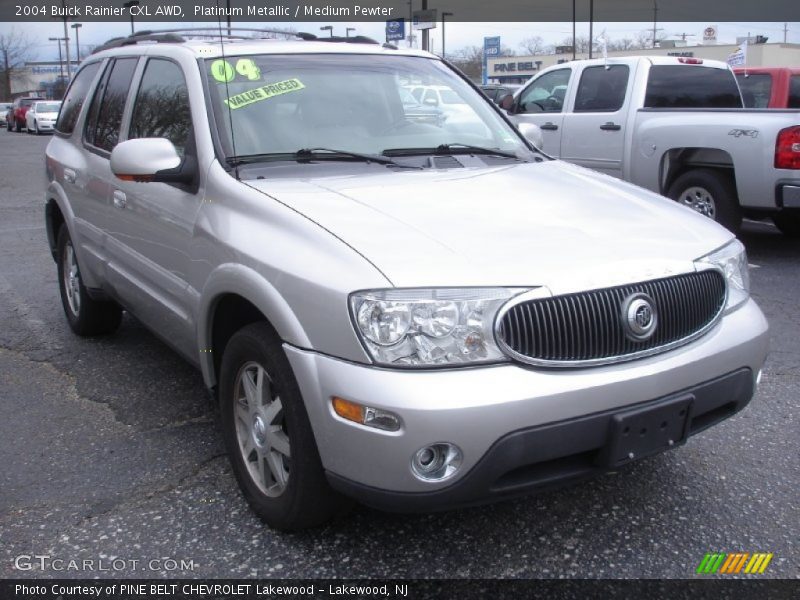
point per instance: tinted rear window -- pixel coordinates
(684, 86)
(794, 92)
(602, 89)
(756, 89)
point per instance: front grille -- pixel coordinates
(589, 328)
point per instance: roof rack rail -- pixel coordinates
(356, 39)
(172, 36)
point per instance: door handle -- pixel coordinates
(549, 127)
(70, 175)
(610, 126)
(120, 200)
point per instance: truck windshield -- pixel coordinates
(274, 105)
(690, 86)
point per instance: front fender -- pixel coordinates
(241, 280)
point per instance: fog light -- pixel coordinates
(436, 462)
(365, 415)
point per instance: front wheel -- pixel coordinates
(788, 224)
(711, 193)
(85, 315)
(268, 435)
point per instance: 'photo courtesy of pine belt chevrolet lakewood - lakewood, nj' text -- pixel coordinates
(389, 292)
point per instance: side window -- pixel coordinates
(602, 89)
(794, 92)
(105, 112)
(756, 89)
(76, 96)
(161, 108)
(430, 95)
(546, 93)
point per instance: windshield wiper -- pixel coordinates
(315, 153)
(454, 148)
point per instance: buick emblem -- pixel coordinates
(639, 318)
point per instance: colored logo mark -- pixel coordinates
(734, 562)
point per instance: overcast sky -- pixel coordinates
(458, 34)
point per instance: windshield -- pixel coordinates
(276, 104)
(45, 107)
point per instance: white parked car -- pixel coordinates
(41, 116)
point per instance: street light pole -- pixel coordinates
(76, 27)
(60, 59)
(444, 14)
(348, 30)
(573, 30)
(328, 28)
(591, 27)
(128, 5)
(66, 37)
(425, 32)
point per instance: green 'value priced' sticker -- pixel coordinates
(265, 92)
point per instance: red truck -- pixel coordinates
(769, 87)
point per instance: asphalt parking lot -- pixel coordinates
(109, 450)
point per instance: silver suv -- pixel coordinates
(413, 314)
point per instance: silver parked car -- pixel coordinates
(410, 315)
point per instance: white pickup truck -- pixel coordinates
(675, 126)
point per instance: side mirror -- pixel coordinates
(507, 102)
(150, 159)
(532, 133)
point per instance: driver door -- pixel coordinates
(542, 103)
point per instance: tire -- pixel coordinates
(788, 224)
(272, 448)
(711, 193)
(86, 316)
(36, 128)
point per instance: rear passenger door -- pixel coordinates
(101, 132)
(154, 222)
(594, 130)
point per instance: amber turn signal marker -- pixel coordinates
(348, 410)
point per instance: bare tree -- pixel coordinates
(623, 44)
(15, 49)
(469, 60)
(581, 43)
(533, 45)
(644, 39)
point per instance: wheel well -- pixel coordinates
(53, 221)
(678, 161)
(231, 313)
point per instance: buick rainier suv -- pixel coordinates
(415, 314)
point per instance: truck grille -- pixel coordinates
(589, 328)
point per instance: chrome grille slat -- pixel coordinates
(587, 327)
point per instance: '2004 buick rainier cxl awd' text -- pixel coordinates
(417, 315)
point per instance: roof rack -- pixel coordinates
(172, 36)
(180, 35)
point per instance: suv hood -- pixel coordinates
(529, 224)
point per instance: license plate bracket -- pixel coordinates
(641, 432)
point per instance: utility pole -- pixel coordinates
(591, 27)
(785, 31)
(573, 30)
(410, 21)
(425, 32)
(66, 37)
(655, 21)
(76, 27)
(60, 58)
(444, 14)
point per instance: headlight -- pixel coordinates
(731, 259)
(420, 328)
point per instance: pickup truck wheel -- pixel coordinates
(268, 435)
(711, 193)
(789, 225)
(85, 315)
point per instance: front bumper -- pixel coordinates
(504, 417)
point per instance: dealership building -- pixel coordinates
(40, 78)
(517, 69)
